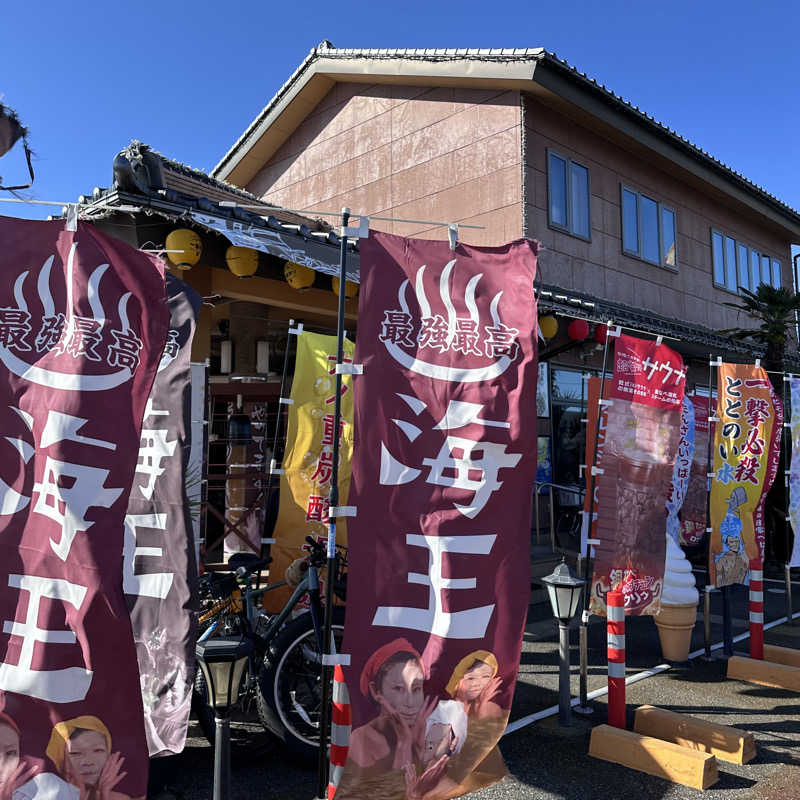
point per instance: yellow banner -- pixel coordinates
(742, 447)
(308, 461)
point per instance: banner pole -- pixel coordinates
(325, 710)
(587, 595)
(756, 609)
(274, 461)
(615, 625)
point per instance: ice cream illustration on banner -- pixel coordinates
(679, 597)
(679, 600)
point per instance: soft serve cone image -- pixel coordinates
(679, 600)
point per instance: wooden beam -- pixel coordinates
(722, 741)
(764, 673)
(280, 294)
(653, 756)
(782, 655)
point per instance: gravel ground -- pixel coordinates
(548, 762)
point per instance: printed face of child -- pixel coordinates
(9, 752)
(475, 680)
(401, 690)
(733, 543)
(87, 754)
(437, 741)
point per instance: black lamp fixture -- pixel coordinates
(564, 590)
(223, 660)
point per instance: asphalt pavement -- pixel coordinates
(549, 762)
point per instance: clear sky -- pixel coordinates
(187, 78)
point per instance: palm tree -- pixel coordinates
(775, 311)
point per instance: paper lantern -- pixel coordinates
(548, 326)
(298, 276)
(601, 333)
(188, 247)
(242, 261)
(578, 330)
(350, 288)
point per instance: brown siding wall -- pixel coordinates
(445, 154)
(599, 267)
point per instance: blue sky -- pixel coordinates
(188, 78)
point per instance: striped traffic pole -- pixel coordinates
(756, 609)
(615, 603)
(341, 721)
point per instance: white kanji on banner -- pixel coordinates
(153, 450)
(469, 623)
(461, 463)
(148, 584)
(460, 334)
(68, 685)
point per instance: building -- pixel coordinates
(638, 225)
(243, 327)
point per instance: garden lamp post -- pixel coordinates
(564, 590)
(223, 660)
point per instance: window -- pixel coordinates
(568, 195)
(738, 266)
(648, 229)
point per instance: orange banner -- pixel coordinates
(746, 451)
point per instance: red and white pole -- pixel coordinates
(756, 609)
(615, 605)
(341, 722)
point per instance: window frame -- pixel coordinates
(660, 208)
(570, 214)
(752, 252)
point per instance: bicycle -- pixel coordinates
(284, 674)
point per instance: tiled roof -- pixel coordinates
(576, 304)
(195, 183)
(326, 50)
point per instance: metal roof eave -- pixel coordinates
(700, 340)
(323, 253)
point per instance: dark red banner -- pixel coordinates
(83, 322)
(445, 459)
(160, 570)
(635, 477)
(694, 512)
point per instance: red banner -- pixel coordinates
(641, 445)
(445, 459)
(83, 322)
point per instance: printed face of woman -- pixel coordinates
(401, 690)
(475, 680)
(87, 754)
(9, 752)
